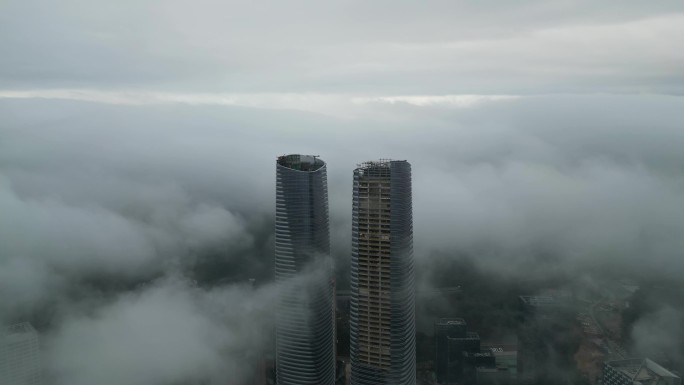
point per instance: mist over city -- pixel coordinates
(141, 142)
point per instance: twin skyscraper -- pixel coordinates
(382, 314)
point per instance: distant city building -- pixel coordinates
(305, 314)
(458, 353)
(444, 329)
(637, 371)
(20, 356)
(506, 363)
(382, 308)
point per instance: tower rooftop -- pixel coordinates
(20, 328)
(377, 163)
(301, 162)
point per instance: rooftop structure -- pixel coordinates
(20, 328)
(636, 371)
(301, 162)
(447, 322)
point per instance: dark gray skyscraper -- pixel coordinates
(383, 342)
(305, 316)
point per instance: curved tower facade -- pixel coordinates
(383, 342)
(305, 314)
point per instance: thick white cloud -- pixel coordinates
(51, 239)
(167, 332)
(658, 334)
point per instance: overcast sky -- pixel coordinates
(379, 47)
(138, 139)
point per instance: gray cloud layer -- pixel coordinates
(381, 47)
(168, 332)
(130, 192)
(582, 176)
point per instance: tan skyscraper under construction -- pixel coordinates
(382, 276)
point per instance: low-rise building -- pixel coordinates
(637, 371)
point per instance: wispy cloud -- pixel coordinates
(457, 101)
(331, 104)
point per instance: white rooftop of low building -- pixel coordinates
(451, 321)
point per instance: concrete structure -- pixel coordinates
(305, 314)
(20, 356)
(382, 307)
(637, 371)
